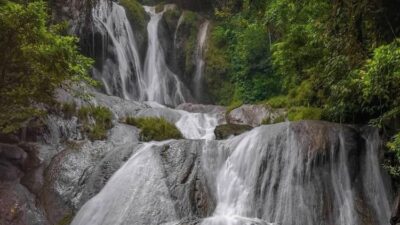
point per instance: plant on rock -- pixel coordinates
(96, 121)
(154, 128)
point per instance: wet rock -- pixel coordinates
(12, 159)
(18, 206)
(395, 217)
(209, 109)
(228, 130)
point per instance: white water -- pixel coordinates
(200, 63)
(121, 72)
(265, 181)
(197, 125)
(162, 85)
(133, 195)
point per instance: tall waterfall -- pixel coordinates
(162, 85)
(200, 63)
(120, 70)
(277, 174)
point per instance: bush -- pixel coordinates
(154, 129)
(278, 102)
(304, 113)
(96, 121)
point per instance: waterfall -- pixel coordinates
(120, 70)
(136, 194)
(267, 181)
(197, 125)
(200, 63)
(162, 85)
(286, 174)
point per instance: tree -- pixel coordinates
(35, 60)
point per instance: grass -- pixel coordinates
(154, 128)
(96, 121)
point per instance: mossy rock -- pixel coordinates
(138, 19)
(227, 130)
(154, 128)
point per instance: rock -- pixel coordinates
(12, 159)
(228, 130)
(395, 217)
(253, 115)
(18, 206)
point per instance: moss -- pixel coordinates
(226, 130)
(96, 121)
(154, 129)
(304, 113)
(66, 220)
(138, 18)
(135, 13)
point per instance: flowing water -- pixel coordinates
(277, 174)
(120, 70)
(270, 175)
(162, 85)
(198, 81)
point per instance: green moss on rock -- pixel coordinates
(138, 19)
(155, 129)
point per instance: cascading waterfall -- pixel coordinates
(121, 71)
(270, 175)
(267, 181)
(162, 85)
(200, 63)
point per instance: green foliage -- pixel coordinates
(96, 121)
(392, 163)
(280, 101)
(35, 60)
(155, 129)
(304, 113)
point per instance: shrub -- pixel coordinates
(154, 129)
(304, 113)
(280, 101)
(96, 121)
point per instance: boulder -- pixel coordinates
(253, 115)
(228, 130)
